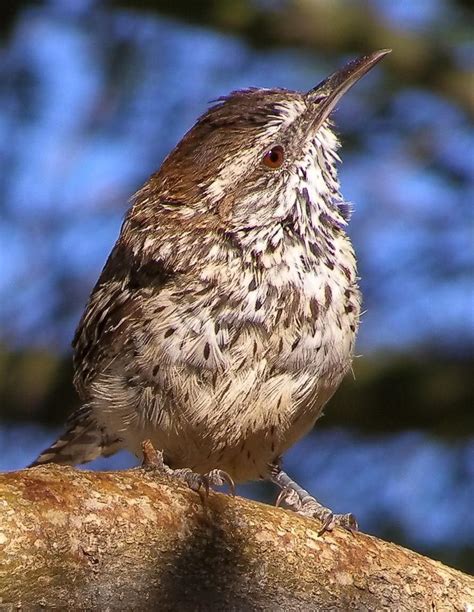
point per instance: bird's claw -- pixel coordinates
(202, 483)
(219, 478)
(152, 458)
(329, 520)
(290, 498)
(311, 508)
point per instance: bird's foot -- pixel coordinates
(201, 483)
(300, 501)
(313, 509)
(204, 482)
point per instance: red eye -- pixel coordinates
(274, 158)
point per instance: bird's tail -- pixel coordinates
(82, 441)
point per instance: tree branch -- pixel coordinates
(73, 539)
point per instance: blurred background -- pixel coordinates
(92, 97)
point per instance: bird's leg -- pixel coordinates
(153, 460)
(300, 501)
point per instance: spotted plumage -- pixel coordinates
(226, 314)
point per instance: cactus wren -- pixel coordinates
(226, 314)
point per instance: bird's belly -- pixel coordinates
(242, 431)
(243, 447)
(240, 416)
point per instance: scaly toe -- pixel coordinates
(152, 458)
(197, 482)
(219, 478)
(201, 483)
(290, 498)
(311, 508)
(346, 521)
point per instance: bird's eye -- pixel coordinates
(274, 158)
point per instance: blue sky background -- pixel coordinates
(92, 99)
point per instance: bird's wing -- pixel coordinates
(114, 305)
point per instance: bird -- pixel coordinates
(226, 314)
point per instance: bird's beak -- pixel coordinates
(328, 93)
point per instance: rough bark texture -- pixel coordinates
(136, 540)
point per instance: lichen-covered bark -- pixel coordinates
(135, 540)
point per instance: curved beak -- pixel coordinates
(328, 93)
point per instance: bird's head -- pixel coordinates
(261, 158)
